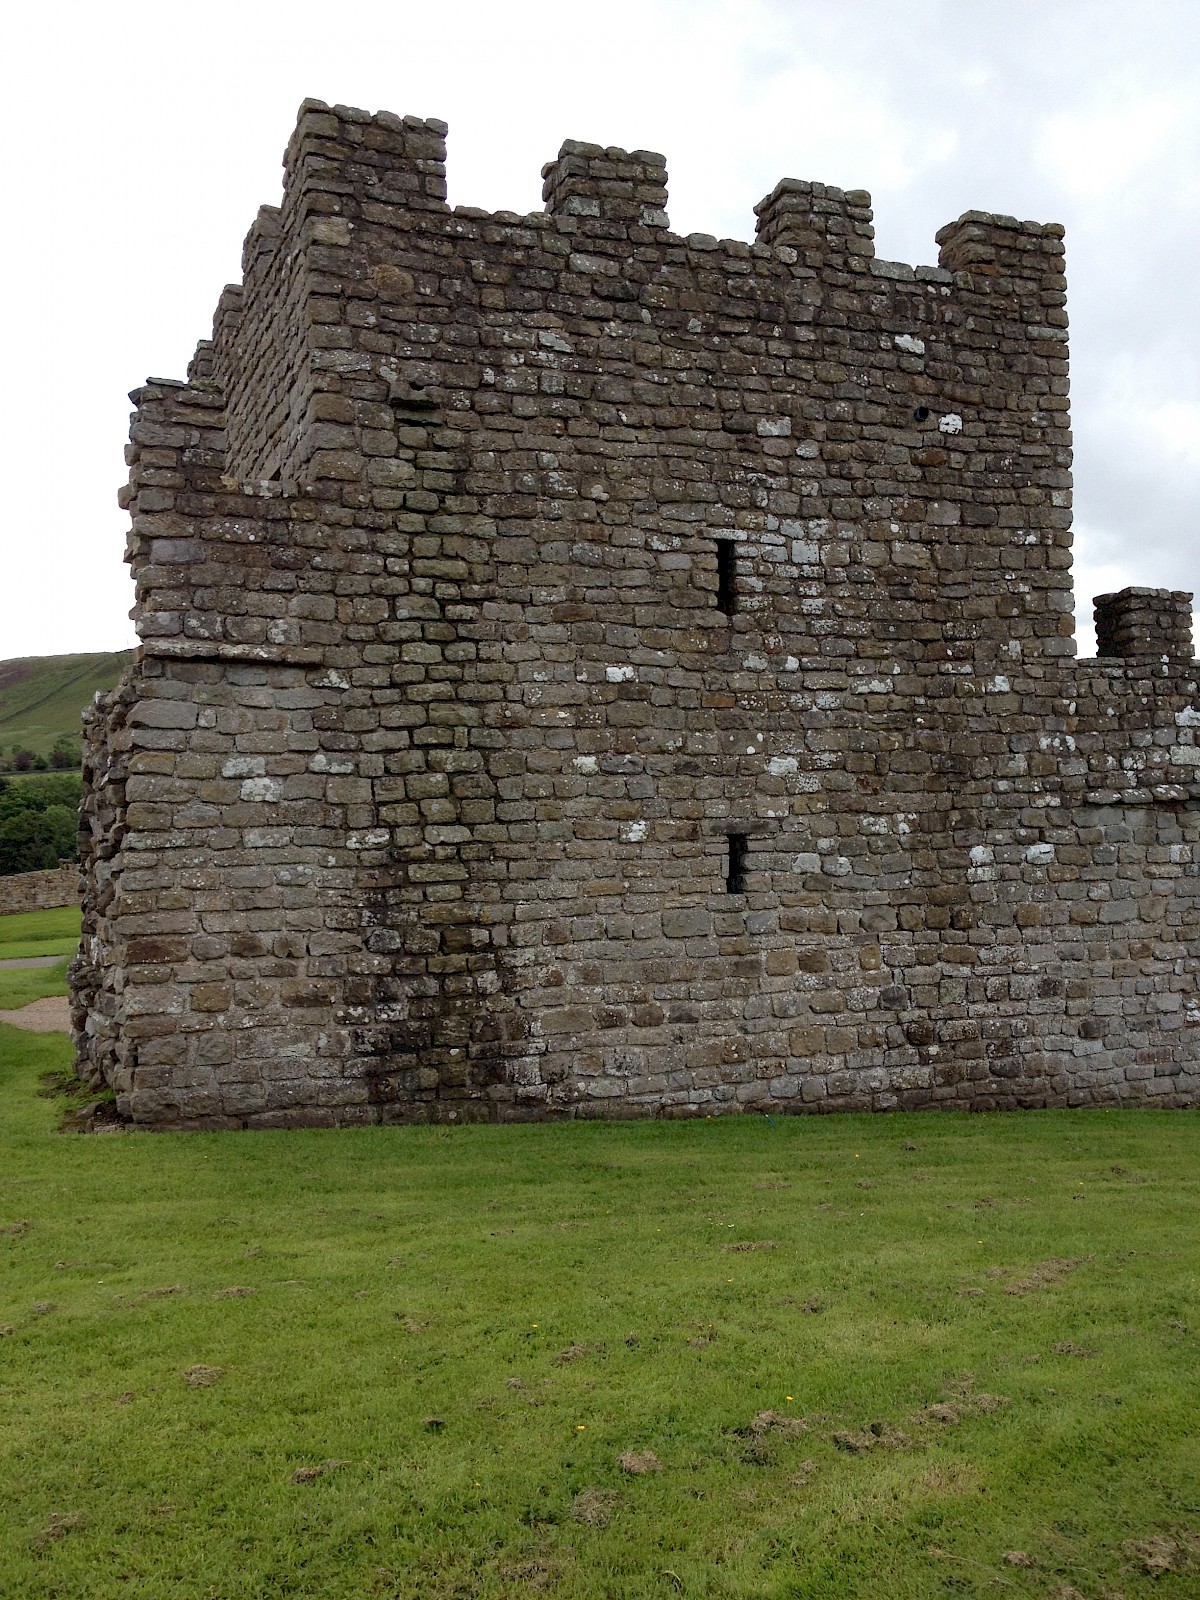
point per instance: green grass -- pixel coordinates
(559, 1295)
(20, 986)
(39, 933)
(42, 697)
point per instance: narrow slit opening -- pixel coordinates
(735, 873)
(726, 574)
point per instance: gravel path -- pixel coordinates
(51, 1015)
(31, 961)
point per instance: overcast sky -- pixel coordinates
(142, 139)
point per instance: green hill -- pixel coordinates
(42, 697)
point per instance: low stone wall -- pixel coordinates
(39, 891)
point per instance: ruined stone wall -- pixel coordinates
(646, 683)
(39, 891)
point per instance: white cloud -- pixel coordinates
(1096, 153)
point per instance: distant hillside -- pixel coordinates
(41, 697)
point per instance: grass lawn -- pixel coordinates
(20, 985)
(870, 1356)
(36, 933)
(40, 933)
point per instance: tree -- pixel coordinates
(66, 754)
(38, 821)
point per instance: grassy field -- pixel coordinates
(21, 986)
(39, 933)
(42, 697)
(36, 933)
(892, 1357)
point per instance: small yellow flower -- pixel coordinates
(580, 1427)
(787, 1397)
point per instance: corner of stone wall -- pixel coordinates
(356, 184)
(262, 238)
(101, 1046)
(349, 163)
(176, 450)
(1007, 277)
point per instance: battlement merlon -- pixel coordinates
(986, 245)
(361, 165)
(177, 441)
(816, 218)
(262, 238)
(1144, 626)
(591, 181)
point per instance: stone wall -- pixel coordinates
(39, 891)
(592, 671)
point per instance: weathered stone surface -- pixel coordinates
(39, 891)
(588, 671)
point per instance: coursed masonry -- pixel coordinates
(588, 671)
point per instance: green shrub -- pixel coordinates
(66, 755)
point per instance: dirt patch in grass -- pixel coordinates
(532, 1576)
(594, 1507)
(763, 1422)
(576, 1352)
(959, 1403)
(1046, 1274)
(638, 1463)
(58, 1527)
(202, 1377)
(83, 1110)
(1164, 1552)
(311, 1474)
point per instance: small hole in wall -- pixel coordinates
(735, 873)
(921, 413)
(726, 576)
